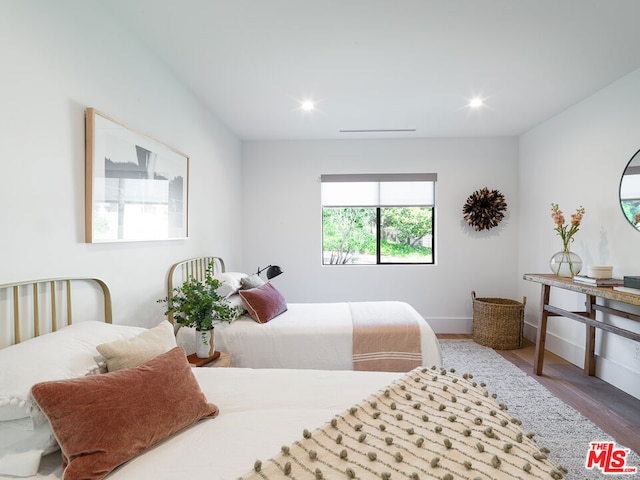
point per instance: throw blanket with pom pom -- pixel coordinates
(431, 424)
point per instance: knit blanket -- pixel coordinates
(386, 337)
(430, 424)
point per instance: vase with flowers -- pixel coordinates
(566, 263)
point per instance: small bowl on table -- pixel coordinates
(600, 271)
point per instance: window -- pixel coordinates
(378, 218)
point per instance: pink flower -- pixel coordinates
(576, 218)
(558, 218)
(566, 232)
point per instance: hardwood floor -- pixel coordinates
(614, 411)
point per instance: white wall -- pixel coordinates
(60, 57)
(57, 58)
(282, 222)
(577, 158)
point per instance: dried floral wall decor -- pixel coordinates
(484, 209)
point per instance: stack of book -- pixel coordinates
(599, 282)
(629, 285)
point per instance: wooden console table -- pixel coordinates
(588, 317)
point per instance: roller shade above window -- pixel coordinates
(378, 190)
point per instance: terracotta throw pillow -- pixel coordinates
(104, 420)
(264, 302)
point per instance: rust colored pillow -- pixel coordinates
(102, 421)
(264, 302)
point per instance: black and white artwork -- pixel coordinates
(137, 186)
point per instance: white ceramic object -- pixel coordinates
(205, 345)
(600, 271)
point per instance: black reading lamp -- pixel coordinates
(272, 271)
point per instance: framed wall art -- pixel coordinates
(136, 187)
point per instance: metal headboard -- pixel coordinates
(48, 300)
(193, 267)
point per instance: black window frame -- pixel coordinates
(421, 177)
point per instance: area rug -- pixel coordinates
(556, 425)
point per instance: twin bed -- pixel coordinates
(165, 420)
(383, 335)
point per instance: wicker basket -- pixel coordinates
(498, 322)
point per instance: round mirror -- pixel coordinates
(630, 191)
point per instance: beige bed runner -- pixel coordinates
(386, 337)
(430, 424)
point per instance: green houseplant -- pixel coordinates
(198, 304)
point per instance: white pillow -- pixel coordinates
(137, 350)
(67, 353)
(229, 282)
(21, 450)
(252, 281)
(25, 433)
(235, 300)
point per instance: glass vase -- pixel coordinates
(565, 263)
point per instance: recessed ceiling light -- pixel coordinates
(307, 105)
(476, 102)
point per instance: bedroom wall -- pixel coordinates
(57, 59)
(577, 158)
(282, 222)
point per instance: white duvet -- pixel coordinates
(260, 410)
(306, 336)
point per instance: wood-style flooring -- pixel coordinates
(614, 411)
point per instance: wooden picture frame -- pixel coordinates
(136, 187)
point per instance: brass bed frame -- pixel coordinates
(192, 267)
(43, 310)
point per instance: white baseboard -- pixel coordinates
(460, 325)
(619, 376)
(614, 373)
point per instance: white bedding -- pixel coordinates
(260, 411)
(306, 336)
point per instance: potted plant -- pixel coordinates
(198, 304)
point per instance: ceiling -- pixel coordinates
(388, 65)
